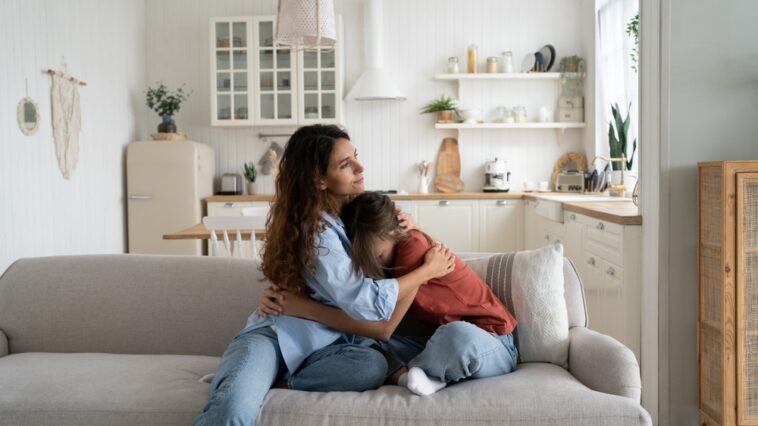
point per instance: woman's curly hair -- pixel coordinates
(294, 221)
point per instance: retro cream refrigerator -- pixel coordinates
(166, 183)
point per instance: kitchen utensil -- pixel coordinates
(529, 63)
(448, 183)
(496, 176)
(548, 57)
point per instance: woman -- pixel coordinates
(307, 250)
(473, 336)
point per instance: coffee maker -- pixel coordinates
(496, 177)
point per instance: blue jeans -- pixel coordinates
(253, 362)
(458, 350)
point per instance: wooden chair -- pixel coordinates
(239, 224)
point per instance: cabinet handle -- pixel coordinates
(444, 203)
(611, 272)
(228, 204)
(572, 217)
(501, 202)
(140, 197)
(591, 261)
(557, 241)
(600, 226)
(547, 237)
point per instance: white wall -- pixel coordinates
(103, 43)
(419, 36)
(709, 113)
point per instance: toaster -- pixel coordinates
(571, 181)
(231, 184)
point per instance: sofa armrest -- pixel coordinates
(603, 364)
(3, 344)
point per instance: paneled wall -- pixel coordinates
(419, 36)
(103, 43)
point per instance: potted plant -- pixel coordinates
(444, 107)
(250, 175)
(166, 103)
(617, 140)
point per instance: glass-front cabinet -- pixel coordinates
(254, 81)
(231, 41)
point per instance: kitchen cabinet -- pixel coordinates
(255, 81)
(500, 225)
(455, 223)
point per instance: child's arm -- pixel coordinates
(301, 306)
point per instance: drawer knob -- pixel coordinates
(591, 261)
(228, 204)
(572, 217)
(501, 202)
(611, 272)
(547, 237)
(557, 241)
(600, 226)
(444, 203)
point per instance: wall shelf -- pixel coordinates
(510, 126)
(510, 76)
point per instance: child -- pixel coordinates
(473, 328)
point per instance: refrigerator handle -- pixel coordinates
(140, 197)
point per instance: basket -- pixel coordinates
(179, 136)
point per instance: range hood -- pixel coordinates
(374, 84)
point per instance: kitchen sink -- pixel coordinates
(551, 206)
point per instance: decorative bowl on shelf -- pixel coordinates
(470, 116)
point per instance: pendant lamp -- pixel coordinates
(306, 24)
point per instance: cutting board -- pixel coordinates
(449, 167)
(449, 159)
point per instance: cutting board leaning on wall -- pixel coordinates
(449, 167)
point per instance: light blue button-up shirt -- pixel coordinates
(334, 283)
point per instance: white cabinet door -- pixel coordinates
(275, 76)
(531, 226)
(572, 244)
(320, 80)
(501, 225)
(455, 223)
(231, 42)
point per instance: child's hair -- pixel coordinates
(368, 217)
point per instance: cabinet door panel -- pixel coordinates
(454, 223)
(500, 225)
(230, 57)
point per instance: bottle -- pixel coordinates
(452, 65)
(492, 65)
(507, 61)
(472, 67)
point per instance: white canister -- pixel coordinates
(544, 115)
(423, 185)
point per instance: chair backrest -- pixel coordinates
(243, 226)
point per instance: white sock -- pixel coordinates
(419, 383)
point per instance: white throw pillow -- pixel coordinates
(539, 305)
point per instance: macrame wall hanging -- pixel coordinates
(66, 117)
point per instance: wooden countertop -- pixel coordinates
(199, 232)
(621, 212)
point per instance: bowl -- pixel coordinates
(470, 116)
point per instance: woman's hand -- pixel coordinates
(295, 305)
(270, 301)
(405, 220)
(439, 260)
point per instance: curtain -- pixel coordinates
(617, 81)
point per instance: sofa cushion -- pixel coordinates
(94, 388)
(531, 285)
(535, 394)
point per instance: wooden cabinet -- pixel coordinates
(255, 81)
(453, 222)
(727, 285)
(500, 225)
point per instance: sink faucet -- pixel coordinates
(617, 190)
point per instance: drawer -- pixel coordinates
(232, 208)
(601, 274)
(604, 239)
(550, 238)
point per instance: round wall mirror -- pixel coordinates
(28, 116)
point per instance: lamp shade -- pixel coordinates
(306, 23)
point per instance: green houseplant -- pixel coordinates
(618, 138)
(166, 103)
(250, 174)
(444, 106)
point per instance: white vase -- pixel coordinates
(423, 185)
(250, 188)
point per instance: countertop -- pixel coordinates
(621, 212)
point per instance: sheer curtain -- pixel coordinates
(617, 81)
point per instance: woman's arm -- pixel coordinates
(301, 306)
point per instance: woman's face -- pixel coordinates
(344, 176)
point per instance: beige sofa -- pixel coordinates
(124, 340)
